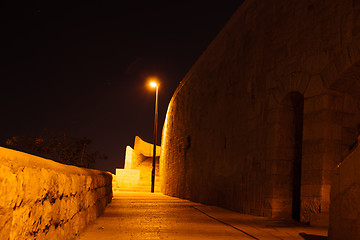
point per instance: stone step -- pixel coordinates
(142, 186)
(137, 189)
(320, 220)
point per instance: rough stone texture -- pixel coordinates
(42, 199)
(345, 199)
(229, 134)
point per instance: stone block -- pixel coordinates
(331, 160)
(347, 173)
(354, 51)
(311, 190)
(329, 101)
(327, 150)
(283, 167)
(300, 81)
(128, 157)
(314, 64)
(8, 192)
(145, 148)
(350, 120)
(312, 177)
(309, 206)
(351, 203)
(312, 161)
(345, 212)
(349, 136)
(319, 219)
(314, 104)
(329, 75)
(321, 130)
(343, 61)
(5, 222)
(325, 115)
(350, 104)
(52, 233)
(330, 131)
(315, 87)
(281, 208)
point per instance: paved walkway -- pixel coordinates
(140, 216)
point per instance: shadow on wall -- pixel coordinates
(270, 109)
(312, 237)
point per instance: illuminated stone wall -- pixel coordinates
(145, 148)
(42, 199)
(136, 175)
(277, 91)
(142, 158)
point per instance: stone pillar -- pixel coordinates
(128, 157)
(285, 157)
(322, 137)
(281, 166)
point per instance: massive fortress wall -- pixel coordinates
(42, 199)
(262, 119)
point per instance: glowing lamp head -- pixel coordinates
(153, 84)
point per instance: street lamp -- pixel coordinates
(155, 85)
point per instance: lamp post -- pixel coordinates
(155, 85)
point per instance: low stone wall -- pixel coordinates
(43, 199)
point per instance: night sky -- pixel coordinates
(82, 69)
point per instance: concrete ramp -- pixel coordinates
(134, 215)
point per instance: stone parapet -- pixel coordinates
(43, 199)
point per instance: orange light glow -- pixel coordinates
(153, 84)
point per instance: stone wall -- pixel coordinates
(345, 199)
(261, 120)
(145, 148)
(42, 199)
(136, 175)
(141, 157)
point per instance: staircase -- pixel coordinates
(143, 184)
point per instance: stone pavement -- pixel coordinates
(134, 215)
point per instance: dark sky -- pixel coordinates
(82, 69)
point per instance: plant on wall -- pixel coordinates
(58, 147)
